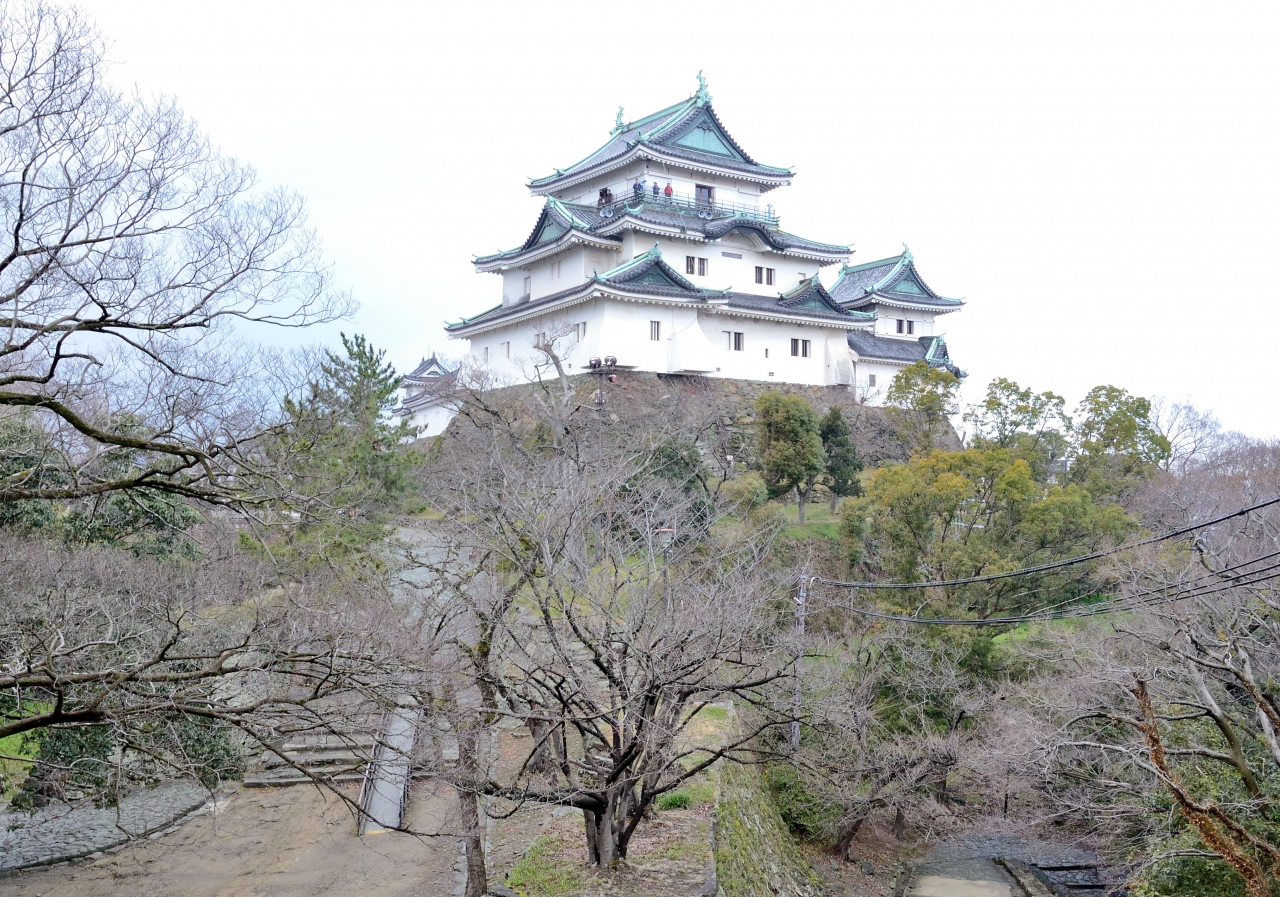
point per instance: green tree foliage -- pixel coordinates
(921, 399)
(145, 520)
(74, 759)
(1034, 426)
(345, 455)
(843, 466)
(1118, 444)
(789, 444)
(26, 457)
(950, 515)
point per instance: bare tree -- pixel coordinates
(890, 716)
(1179, 699)
(143, 651)
(133, 251)
(603, 611)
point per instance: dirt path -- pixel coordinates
(284, 842)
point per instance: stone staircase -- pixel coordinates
(330, 757)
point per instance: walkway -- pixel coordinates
(389, 774)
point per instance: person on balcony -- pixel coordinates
(655, 188)
(667, 192)
(637, 189)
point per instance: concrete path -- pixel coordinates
(939, 886)
(390, 772)
(967, 866)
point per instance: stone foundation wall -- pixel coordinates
(636, 398)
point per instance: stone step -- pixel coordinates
(311, 758)
(291, 776)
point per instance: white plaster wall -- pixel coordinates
(691, 340)
(887, 322)
(518, 365)
(432, 420)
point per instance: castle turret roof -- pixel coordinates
(688, 133)
(892, 281)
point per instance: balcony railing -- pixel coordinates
(685, 204)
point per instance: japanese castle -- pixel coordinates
(663, 250)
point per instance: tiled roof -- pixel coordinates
(690, 130)
(559, 218)
(891, 280)
(932, 349)
(647, 274)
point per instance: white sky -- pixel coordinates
(1099, 180)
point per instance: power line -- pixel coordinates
(1184, 591)
(1054, 565)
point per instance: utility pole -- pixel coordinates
(801, 597)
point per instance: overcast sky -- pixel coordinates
(1099, 181)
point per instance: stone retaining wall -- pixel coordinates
(638, 397)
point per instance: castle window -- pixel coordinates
(484, 353)
(689, 262)
(911, 327)
(800, 348)
(871, 380)
(702, 267)
(759, 274)
(528, 283)
(655, 330)
(704, 194)
(768, 276)
(734, 341)
(506, 350)
(902, 325)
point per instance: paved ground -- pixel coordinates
(60, 832)
(267, 842)
(964, 866)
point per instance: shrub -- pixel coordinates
(746, 492)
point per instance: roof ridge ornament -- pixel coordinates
(906, 254)
(618, 127)
(702, 95)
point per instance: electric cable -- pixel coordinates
(1053, 565)
(1224, 583)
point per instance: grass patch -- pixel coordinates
(22, 746)
(712, 712)
(675, 800)
(544, 870)
(818, 521)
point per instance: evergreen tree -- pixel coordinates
(790, 446)
(351, 473)
(921, 398)
(843, 464)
